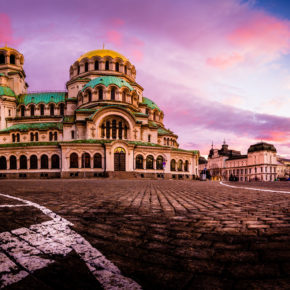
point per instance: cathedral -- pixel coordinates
(101, 126)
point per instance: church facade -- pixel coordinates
(102, 125)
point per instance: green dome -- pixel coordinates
(150, 104)
(5, 91)
(106, 81)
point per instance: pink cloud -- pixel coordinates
(225, 61)
(276, 136)
(115, 37)
(6, 32)
(137, 55)
(262, 33)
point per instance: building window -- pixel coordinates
(22, 111)
(117, 66)
(61, 109)
(186, 165)
(55, 136)
(149, 162)
(107, 65)
(17, 137)
(72, 134)
(44, 162)
(100, 93)
(125, 69)
(159, 162)
(12, 59)
(86, 67)
(74, 161)
(50, 136)
(114, 129)
(3, 163)
(97, 160)
(149, 138)
(36, 136)
(124, 97)
(13, 138)
(139, 162)
(89, 96)
(33, 162)
(2, 58)
(172, 165)
(41, 110)
(180, 165)
(78, 69)
(13, 162)
(31, 137)
(86, 160)
(51, 108)
(96, 65)
(113, 93)
(23, 162)
(261, 169)
(32, 110)
(55, 161)
(9, 113)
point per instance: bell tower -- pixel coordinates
(12, 83)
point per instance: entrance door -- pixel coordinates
(120, 159)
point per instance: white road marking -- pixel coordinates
(26, 245)
(253, 188)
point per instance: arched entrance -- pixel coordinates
(120, 159)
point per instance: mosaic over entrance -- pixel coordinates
(101, 125)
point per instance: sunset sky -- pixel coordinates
(219, 69)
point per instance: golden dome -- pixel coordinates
(102, 53)
(9, 49)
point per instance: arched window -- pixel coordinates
(120, 130)
(108, 127)
(97, 160)
(125, 69)
(113, 93)
(89, 96)
(22, 111)
(12, 59)
(3, 163)
(51, 108)
(180, 165)
(139, 162)
(31, 137)
(149, 138)
(13, 138)
(55, 136)
(55, 161)
(44, 162)
(23, 162)
(114, 129)
(32, 110)
(2, 58)
(125, 132)
(100, 91)
(50, 136)
(124, 97)
(149, 162)
(18, 137)
(172, 165)
(186, 165)
(154, 116)
(107, 65)
(61, 109)
(78, 69)
(74, 160)
(13, 162)
(117, 66)
(86, 67)
(36, 136)
(159, 162)
(86, 160)
(33, 162)
(41, 107)
(96, 65)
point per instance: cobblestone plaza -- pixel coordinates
(150, 234)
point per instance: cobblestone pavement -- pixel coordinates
(161, 234)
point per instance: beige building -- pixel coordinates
(102, 125)
(259, 164)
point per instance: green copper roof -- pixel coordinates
(36, 98)
(196, 152)
(5, 91)
(24, 127)
(150, 104)
(163, 131)
(2, 74)
(106, 81)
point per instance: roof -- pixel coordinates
(24, 127)
(9, 49)
(108, 80)
(189, 151)
(163, 131)
(150, 104)
(102, 53)
(262, 146)
(47, 97)
(5, 91)
(237, 157)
